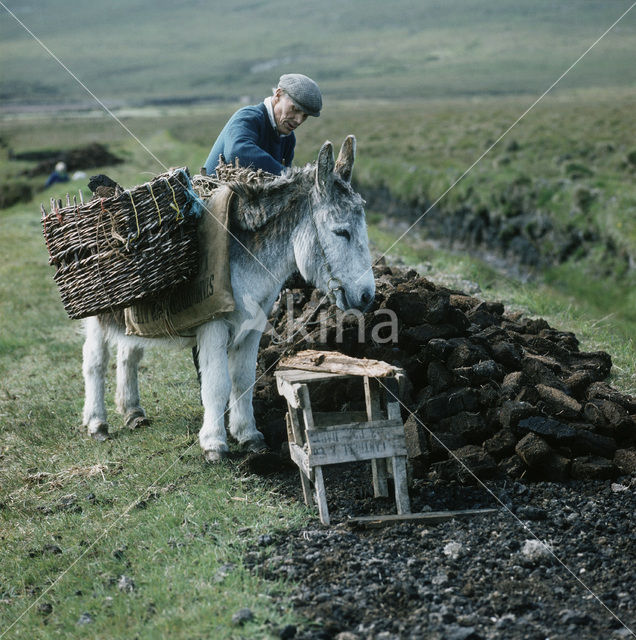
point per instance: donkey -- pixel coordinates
(314, 224)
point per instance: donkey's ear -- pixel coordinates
(325, 166)
(344, 163)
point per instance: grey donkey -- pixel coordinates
(314, 224)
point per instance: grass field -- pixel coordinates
(435, 85)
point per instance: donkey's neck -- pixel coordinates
(266, 257)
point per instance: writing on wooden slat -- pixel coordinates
(347, 443)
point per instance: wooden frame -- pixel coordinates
(346, 438)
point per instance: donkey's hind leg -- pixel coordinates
(242, 366)
(94, 366)
(212, 339)
(129, 354)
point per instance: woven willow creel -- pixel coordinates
(112, 252)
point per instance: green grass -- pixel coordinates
(188, 528)
(57, 487)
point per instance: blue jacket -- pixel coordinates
(250, 137)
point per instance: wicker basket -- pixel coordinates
(112, 252)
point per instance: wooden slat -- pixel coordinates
(374, 412)
(294, 432)
(321, 496)
(305, 406)
(301, 375)
(392, 395)
(300, 457)
(372, 398)
(354, 430)
(379, 478)
(348, 445)
(401, 485)
(430, 517)
(306, 485)
(336, 362)
(289, 392)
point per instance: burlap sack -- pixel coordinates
(208, 295)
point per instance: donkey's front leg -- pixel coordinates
(242, 365)
(94, 365)
(212, 340)
(129, 354)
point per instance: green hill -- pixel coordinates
(137, 51)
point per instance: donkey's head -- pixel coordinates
(333, 251)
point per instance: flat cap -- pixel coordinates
(303, 91)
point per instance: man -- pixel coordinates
(58, 174)
(262, 136)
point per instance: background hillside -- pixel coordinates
(137, 51)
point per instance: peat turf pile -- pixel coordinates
(506, 394)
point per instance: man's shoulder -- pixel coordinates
(258, 111)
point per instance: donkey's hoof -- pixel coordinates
(136, 423)
(215, 455)
(256, 444)
(100, 433)
(136, 418)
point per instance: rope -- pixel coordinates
(332, 279)
(193, 201)
(132, 201)
(174, 203)
(149, 185)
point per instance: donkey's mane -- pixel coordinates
(261, 194)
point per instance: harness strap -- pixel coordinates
(333, 283)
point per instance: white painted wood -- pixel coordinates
(367, 442)
(429, 517)
(307, 493)
(316, 440)
(296, 375)
(352, 430)
(289, 392)
(400, 483)
(378, 465)
(324, 419)
(339, 363)
(321, 495)
(300, 457)
(305, 406)
(294, 432)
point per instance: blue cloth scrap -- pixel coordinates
(194, 206)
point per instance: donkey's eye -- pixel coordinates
(343, 233)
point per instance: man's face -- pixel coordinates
(287, 115)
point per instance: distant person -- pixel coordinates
(59, 175)
(262, 136)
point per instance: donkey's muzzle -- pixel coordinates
(366, 299)
(361, 302)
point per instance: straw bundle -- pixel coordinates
(246, 182)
